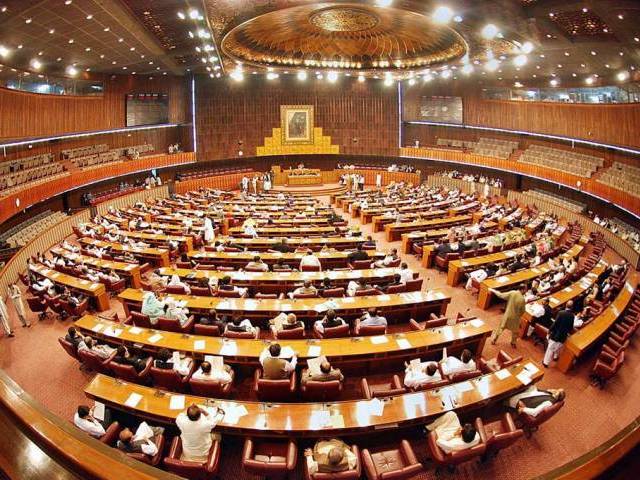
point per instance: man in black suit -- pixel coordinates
(558, 333)
(359, 254)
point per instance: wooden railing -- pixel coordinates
(462, 185)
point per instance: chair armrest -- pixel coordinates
(364, 386)
(247, 452)
(434, 449)
(292, 455)
(479, 424)
(214, 457)
(146, 369)
(508, 423)
(397, 383)
(356, 327)
(175, 446)
(413, 325)
(407, 451)
(356, 452)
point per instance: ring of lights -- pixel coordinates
(344, 36)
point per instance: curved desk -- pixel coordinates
(158, 256)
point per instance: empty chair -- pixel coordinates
(397, 464)
(173, 325)
(502, 360)
(606, 367)
(140, 320)
(38, 305)
(501, 434)
(321, 391)
(91, 361)
(290, 334)
(209, 330)
(189, 469)
(368, 330)
(169, 379)
(68, 347)
(273, 459)
(333, 292)
(211, 388)
(75, 311)
(380, 390)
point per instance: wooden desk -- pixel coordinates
(304, 419)
(159, 256)
(367, 214)
(396, 307)
(511, 280)
(360, 351)
(130, 270)
(258, 244)
(587, 336)
(560, 298)
(280, 232)
(97, 291)
(329, 259)
(186, 242)
(286, 281)
(395, 230)
(308, 179)
(379, 221)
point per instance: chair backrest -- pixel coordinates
(367, 292)
(92, 361)
(210, 330)
(335, 332)
(125, 372)
(461, 376)
(305, 295)
(273, 389)
(367, 330)
(266, 295)
(140, 320)
(321, 391)
(169, 324)
(333, 292)
(37, 304)
(361, 264)
(184, 468)
(232, 334)
(177, 289)
(165, 378)
(228, 294)
(414, 285)
(68, 347)
(310, 268)
(396, 288)
(543, 416)
(201, 291)
(207, 388)
(291, 334)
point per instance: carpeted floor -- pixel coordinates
(37, 362)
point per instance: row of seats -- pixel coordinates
(212, 172)
(84, 151)
(113, 155)
(26, 231)
(623, 177)
(25, 163)
(24, 176)
(557, 199)
(493, 147)
(447, 142)
(575, 163)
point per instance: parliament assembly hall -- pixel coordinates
(319, 240)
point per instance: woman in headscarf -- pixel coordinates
(176, 282)
(209, 234)
(152, 307)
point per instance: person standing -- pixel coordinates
(4, 318)
(378, 180)
(16, 297)
(558, 333)
(512, 313)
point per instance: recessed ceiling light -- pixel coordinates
(3, 9)
(193, 14)
(120, 40)
(593, 52)
(442, 14)
(554, 83)
(52, 31)
(106, 29)
(114, 62)
(181, 16)
(589, 80)
(520, 60)
(28, 20)
(59, 59)
(89, 17)
(124, 68)
(384, 3)
(622, 76)
(585, 10)
(36, 64)
(490, 31)
(88, 49)
(132, 48)
(71, 70)
(621, 17)
(71, 40)
(102, 55)
(68, 2)
(20, 47)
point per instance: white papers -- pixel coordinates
(199, 344)
(314, 351)
(97, 327)
(98, 411)
(287, 352)
(502, 374)
(384, 298)
(379, 339)
(319, 418)
(135, 330)
(229, 348)
(155, 338)
(176, 402)
(376, 407)
(476, 323)
(531, 368)
(448, 396)
(503, 279)
(314, 365)
(133, 400)
(463, 387)
(403, 343)
(112, 332)
(524, 377)
(233, 412)
(336, 421)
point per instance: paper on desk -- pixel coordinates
(98, 410)
(379, 339)
(155, 338)
(384, 298)
(319, 418)
(133, 400)
(229, 348)
(476, 323)
(503, 279)
(336, 421)
(314, 351)
(403, 343)
(463, 387)
(287, 352)
(531, 368)
(524, 377)
(135, 330)
(314, 364)
(176, 402)
(376, 407)
(199, 344)
(502, 374)
(97, 327)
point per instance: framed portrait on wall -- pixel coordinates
(296, 122)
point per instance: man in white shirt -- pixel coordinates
(532, 401)
(196, 425)
(406, 274)
(416, 375)
(140, 442)
(451, 365)
(330, 456)
(451, 436)
(205, 372)
(372, 319)
(310, 260)
(84, 420)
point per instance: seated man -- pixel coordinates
(326, 374)
(397, 282)
(212, 318)
(418, 374)
(387, 260)
(451, 436)
(103, 351)
(356, 285)
(274, 367)
(224, 284)
(134, 358)
(306, 289)
(176, 282)
(359, 254)
(372, 318)
(330, 320)
(173, 361)
(406, 274)
(285, 322)
(157, 281)
(532, 401)
(310, 260)
(239, 325)
(84, 420)
(206, 372)
(330, 456)
(450, 365)
(73, 337)
(176, 310)
(141, 441)
(257, 264)
(152, 307)
(196, 432)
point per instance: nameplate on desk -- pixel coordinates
(502, 374)
(177, 402)
(155, 338)
(133, 400)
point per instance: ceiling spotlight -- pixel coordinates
(492, 65)
(28, 20)
(457, 18)
(4, 51)
(361, 78)
(589, 80)
(194, 14)
(388, 79)
(445, 73)
(554, 83)
(384, 3)
(237, 75)
(520, 60)
(181, 16)
(52, 31)
(36, 64)
(332, 76)
(467, 69)
(427, 78)
(272, 76)
(517, 85)
(622, 76)
(68, 2)
(442, 15)
(89, 17)
(527, 47)
(412, 82)
(490, 31)
(302, 75)
(71, 70)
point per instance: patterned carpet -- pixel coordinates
(37, 362)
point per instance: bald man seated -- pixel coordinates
(330, 456)
(140, 442)
(326, 374)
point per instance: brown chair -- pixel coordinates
(502, 360)
(352, 474)
(266, 295)
(38, 305)
(380, 390)
(414, 285)
(140, 320)
(227, 294)
(192, 470)
(128, 373)
(68, 347)
(169, 379)
(462, 376)
(201, 291)
(360, 264)
(309, 268)
(530, 423)
(396, 464)
(249, 335)
(606, 367)
(208, 330)
(333, 292)
(272, 459)
(315, 391)
(210, 388)
(173, 325)
(111, 433)
(450, 460)
(396, 289)
(290, 334)
(501, 434)
(368, 330)
(116, 287)
(332, 332)
(367, 292)
(91, 361)
(274, 390)
(175, 289)
(305, 295)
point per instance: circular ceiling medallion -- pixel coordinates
(343, 35)
(343, 19)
